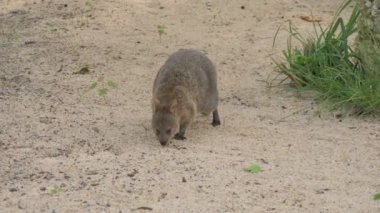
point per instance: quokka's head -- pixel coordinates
(164, 121)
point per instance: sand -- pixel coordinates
(64, 148)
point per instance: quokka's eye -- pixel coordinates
(168, 131)
(157, 131)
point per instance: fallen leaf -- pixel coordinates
(101, 78)
(311, 18)
(83, 70)
(145, 208)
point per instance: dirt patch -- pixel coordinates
(64, 147)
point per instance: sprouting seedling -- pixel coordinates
(55, 190)
(161, 30)
(235, 194)
(103, 92)
(103, 87)
(90, 4)
(54, 27)
(111, 85)
(254, 168)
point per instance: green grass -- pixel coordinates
(103, 88)
(328, 65)
(376, 196)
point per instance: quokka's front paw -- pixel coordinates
(215, 123)
(179, 136)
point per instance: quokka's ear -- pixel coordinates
(155, 104)
(173, 106)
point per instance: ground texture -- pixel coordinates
(66, 149)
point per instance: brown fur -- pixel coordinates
(185, 84)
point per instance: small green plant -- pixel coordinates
(161, 29)
(103, 87)
(254, 168)
(328, 65)
(53, 27)
(376, 196)
(55, 191)
(90, 4)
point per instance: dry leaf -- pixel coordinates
(311, 18)
(100, 78)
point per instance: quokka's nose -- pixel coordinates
(163, 143)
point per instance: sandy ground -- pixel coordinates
(101, 155)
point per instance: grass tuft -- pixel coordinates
(376, 196)
(329, 65)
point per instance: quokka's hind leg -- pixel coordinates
(215, 118)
